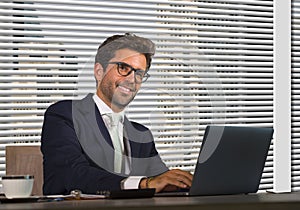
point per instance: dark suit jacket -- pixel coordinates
(78, 152)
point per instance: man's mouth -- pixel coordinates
(125, 89)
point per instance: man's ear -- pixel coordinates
(98, 71)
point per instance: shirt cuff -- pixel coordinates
(132, 182)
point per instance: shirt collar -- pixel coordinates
(103, 108)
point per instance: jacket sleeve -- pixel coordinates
(146, 160)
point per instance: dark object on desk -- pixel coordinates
(130, 193)
(231, 161)
(77, 195)
(3, 199)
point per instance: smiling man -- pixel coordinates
(90, 144)
(116, 91)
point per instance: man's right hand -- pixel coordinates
(168, 181)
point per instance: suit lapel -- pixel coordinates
(102, 127)
(130, 135)
(91, 132)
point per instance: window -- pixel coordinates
(214, 65)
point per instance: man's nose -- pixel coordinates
(131, 77)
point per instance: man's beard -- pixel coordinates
(121, 104)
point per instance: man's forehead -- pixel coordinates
(127, 54)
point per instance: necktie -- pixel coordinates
(113, 127)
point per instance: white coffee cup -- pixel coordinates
(17, 186)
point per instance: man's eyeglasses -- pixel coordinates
(125, 69)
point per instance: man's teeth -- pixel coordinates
(125, 89)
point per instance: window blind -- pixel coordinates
(295, 96)
(214, 65)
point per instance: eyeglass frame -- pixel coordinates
(119, 63)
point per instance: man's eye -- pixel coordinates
(140, 73)
(123, 67)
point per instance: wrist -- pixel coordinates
(148, 180)
(142, 184)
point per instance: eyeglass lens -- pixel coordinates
(125, 69)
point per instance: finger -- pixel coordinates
(176, 182)
(182, 176)
(183, 173)
(185, 180)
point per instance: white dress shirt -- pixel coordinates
(131, 182)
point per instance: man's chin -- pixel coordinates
(123, 100)
(122, 104)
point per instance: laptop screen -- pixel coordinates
(231, 160)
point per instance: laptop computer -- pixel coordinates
(231, 161)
